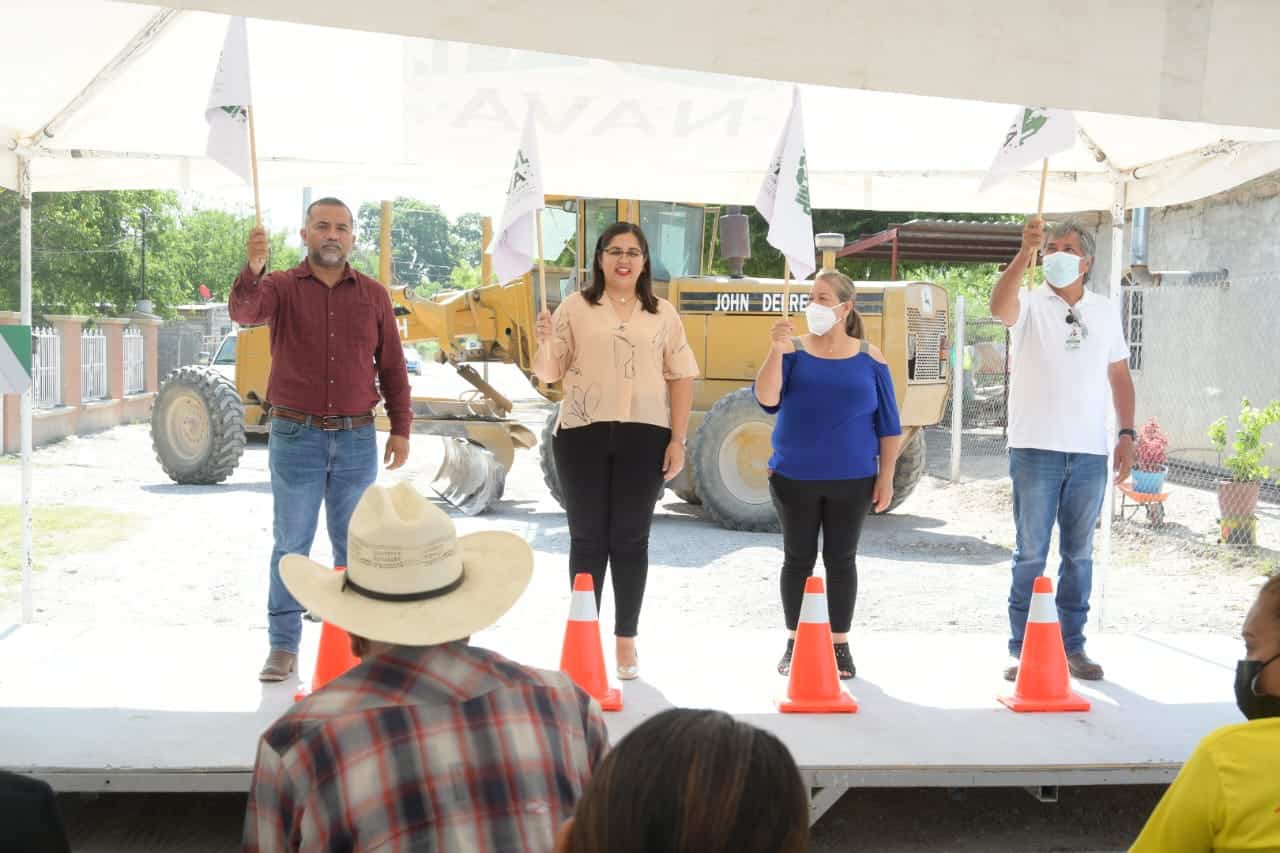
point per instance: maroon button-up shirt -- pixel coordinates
(328, 344)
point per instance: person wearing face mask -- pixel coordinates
(1070, 364)
(835, 445)
(1227, 795)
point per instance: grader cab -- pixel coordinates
(200, 418)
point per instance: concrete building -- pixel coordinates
(1200, 348)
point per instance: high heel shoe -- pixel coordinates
(629, 673)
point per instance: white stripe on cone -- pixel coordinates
(1043, 608)
(583, 607)
(814, 608)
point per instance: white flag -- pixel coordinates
(228, 110)
(513, 246)
(1035, 134)
(783, 200)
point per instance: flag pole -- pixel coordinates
(786, 288)
(253, 159)
(1044, 177)
(542, 265)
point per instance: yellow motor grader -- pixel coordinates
(201, 416)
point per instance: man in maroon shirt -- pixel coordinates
(334, 345)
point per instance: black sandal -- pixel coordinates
(844, 661)
(784, 665)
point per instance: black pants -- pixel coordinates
(837, 508)
(611, 477)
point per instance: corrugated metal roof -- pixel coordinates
(941, 241)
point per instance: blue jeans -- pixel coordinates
(309, 465)
(1069, 487)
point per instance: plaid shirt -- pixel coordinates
(434, 749)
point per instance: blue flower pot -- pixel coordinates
(1149, 482)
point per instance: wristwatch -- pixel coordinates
(1129, 432)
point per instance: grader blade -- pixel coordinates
(470, 477)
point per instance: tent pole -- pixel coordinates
(1114, 275)
(24, 250)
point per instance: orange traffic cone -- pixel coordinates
(814, 687)
(1043, 683)
(333, 658)
(582, 656)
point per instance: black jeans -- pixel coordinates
(837, 508)
(611, 477)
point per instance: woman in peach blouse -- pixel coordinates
(627, 374)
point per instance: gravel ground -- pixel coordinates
(198, 555)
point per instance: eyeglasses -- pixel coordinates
(1073, 320)
(631, 254)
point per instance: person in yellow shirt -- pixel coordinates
(1226, 798)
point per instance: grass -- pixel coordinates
(59, 530)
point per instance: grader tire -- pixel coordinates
(730, 458)
(197, 426)
(547, 457)
(689, 495)
(911, 465)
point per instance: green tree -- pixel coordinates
(208, 248)
(464, 276)
(465, 235)
(420, 239)
(87, 250)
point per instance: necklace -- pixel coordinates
(620, 299)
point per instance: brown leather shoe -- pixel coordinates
(1083, 668)
(279, 666)
(1011, 671)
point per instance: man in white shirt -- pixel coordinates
(1070, 361)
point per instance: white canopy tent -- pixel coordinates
(444, 118)
(113, 97)
(1186, 60)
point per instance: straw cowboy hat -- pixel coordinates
(410, 579)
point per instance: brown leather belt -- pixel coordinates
(329, 423)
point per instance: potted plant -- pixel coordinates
(1238, 496)
(1152, 459)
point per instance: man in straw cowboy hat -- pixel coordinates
(430, 743)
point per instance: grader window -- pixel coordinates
(559, 237)
(227, 352)
(674, 232)
(597, 215)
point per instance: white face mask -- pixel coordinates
(1061, 268)
(820, 318)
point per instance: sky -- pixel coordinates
(282, 208)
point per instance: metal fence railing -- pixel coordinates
(93, 365)
(46, 368)
(134, 361)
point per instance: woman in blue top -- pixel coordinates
(835, 445)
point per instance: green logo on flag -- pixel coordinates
(1032, 121)
(237, 113)
(802, 185)
(15, 359)
(1019, 132)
